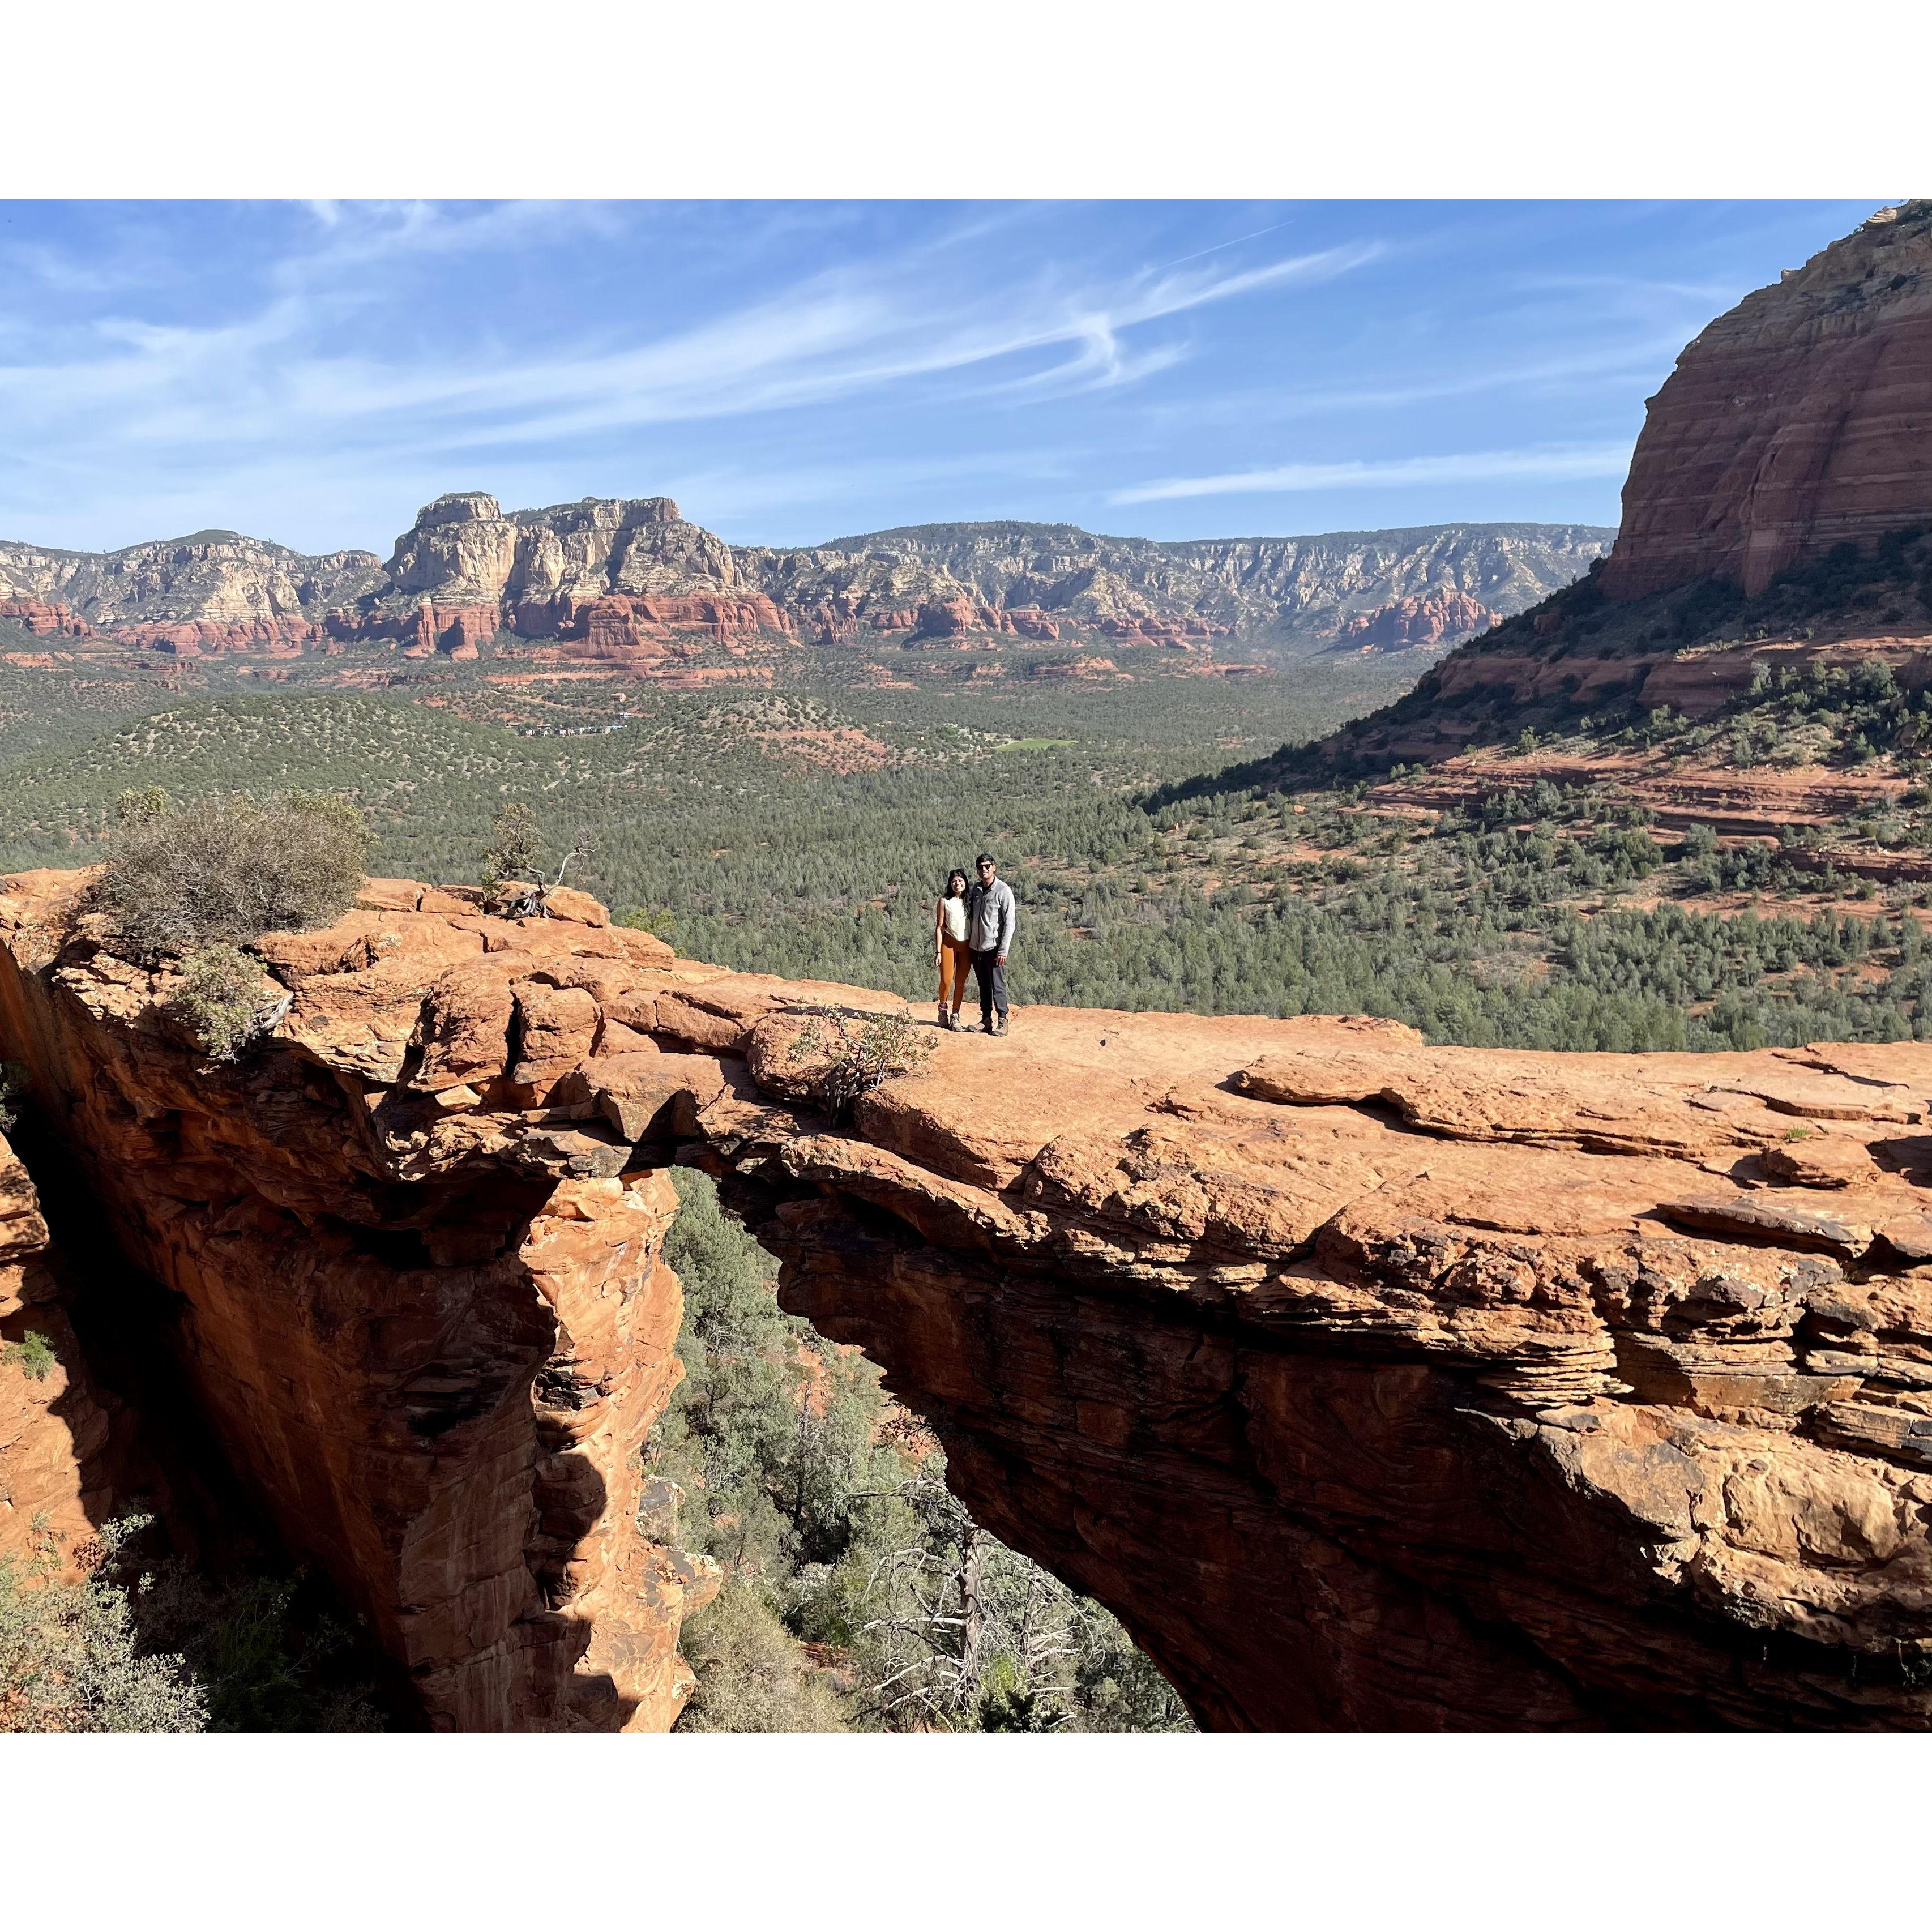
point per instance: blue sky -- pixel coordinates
(795, 372)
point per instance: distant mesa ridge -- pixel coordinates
(631, 578)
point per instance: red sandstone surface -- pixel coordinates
(64, 1467)
(1796, 421)
(1371, 1384)
(44, 620)
(432, 1360)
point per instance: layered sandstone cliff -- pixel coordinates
(1797, 421)
(1303, 592)
(621, 580)
(431, 1362)
(225, 585)
(1371, 1384)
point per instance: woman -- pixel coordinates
(954, 955)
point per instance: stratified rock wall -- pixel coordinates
(1800, 420)
(1372, 1384)
(1032, 579)
(217, 577)
(433, 1368)
(619, 579)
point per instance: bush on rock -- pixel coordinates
(222, 871)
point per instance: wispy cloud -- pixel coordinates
(1548, 465)
(313, 372)
(274, 373)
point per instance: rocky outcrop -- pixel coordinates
(1379, 1385)
(1438, 616)
(42, 620)
(1372, 1384)
(1794, 423)
(214, 577)
(624, 579)
(430, 1350)
(1299, 593)
(544, 569)
(643, 629)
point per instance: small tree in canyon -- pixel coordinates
(858, 1590)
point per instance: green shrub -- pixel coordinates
(660, 922)
(33, 1355)
(752, 1674)
(220, 995)
(222, 871)
(71, 1658)
(13, 1090)
(146, 1643)
(843, 1553)
(513, 865)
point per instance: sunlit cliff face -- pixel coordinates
(1369, 1383)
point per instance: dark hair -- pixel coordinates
(984, 858)
(955, 874)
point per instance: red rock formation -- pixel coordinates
(619, 627)
(211, 637)
(954, 618)
(431, 1351)
(1027, 622)
(65, 1465)
(1076, 667)
(1377, 1385)
(1796, 421)
(1191, 636)
(837, 623)
(1372, 1384)
(431, 630)
(44, 620)
(1429, 619)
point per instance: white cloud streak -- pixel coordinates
(1555, 464)
(290, 373)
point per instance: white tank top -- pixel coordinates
(954, 911)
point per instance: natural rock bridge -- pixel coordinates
(1370, 1384)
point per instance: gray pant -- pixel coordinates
(992, 978)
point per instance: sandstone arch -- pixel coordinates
(1371, 1384)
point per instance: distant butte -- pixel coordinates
(1800, 420)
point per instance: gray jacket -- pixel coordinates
(989, 925)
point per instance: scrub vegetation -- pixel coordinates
(858, 1594)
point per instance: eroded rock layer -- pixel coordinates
(434, 1372)
(1371, 1383)
(1795, 422)
(630, 580)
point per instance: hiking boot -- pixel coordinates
(943, 1021)
(986, 1026)
(998, 1029)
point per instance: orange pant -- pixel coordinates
(955, 962)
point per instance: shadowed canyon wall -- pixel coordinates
(1370, 1384)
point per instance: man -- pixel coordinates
(989, 933)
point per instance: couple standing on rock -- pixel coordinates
(975, 926)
